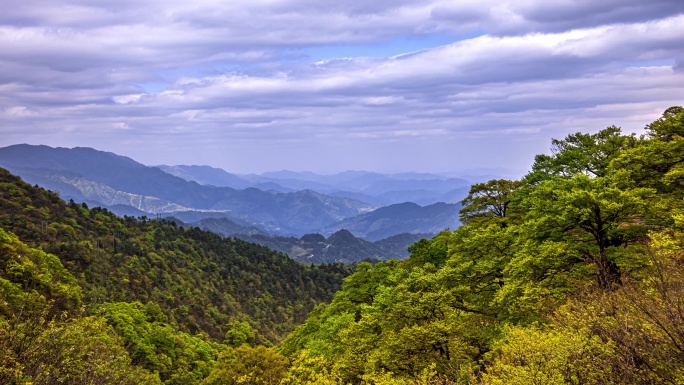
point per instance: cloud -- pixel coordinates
(534, 16)
(204, 76)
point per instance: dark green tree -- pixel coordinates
(489, 201)
(588, 154)
(239, 332)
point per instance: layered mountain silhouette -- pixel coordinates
(342, 246)
(400, 218)
(288, 204)
(85, 174)
(375, 188)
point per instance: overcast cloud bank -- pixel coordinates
(258, 85)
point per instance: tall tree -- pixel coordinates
(588, 154)
(489, 201)
(668, 126)
(592, 215)
(659, 161)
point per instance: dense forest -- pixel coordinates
(173, 298)
(572, 275)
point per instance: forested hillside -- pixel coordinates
(342, 246)
(170, 296)
(571, 276)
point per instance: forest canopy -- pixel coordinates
(571, 275)
(152, 301)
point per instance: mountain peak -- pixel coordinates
(342, 234)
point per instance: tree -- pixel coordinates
(475, 270)
(308, 369)
(659, 161)
(489, 201)
(177, 357)
(250, 366)
(76, 351)
(588, 154)
(592, 216)
(239, 332)
(542, 356)
(432, 251)
(668, 126)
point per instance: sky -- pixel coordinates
(328, 86)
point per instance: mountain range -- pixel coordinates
(375, 188)
(341, 246)
(285, 204)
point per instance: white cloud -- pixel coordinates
(18, 112)
(126, 99)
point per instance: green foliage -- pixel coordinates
(308, 369)
(657, 163)
(592, 216)
(43, 337)
(177, 357)
(489, 201)
(388, 318)
(247, 365)
(630, 335)
(478, 270)
(542, 356)
(563, 279)
(78, 351)
(669, 126)
(588, 154)
(432, 251)
(239, 332)
(200, 280)
(24, 269)
(150, 301)
(643, 318)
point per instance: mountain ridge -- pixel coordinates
(340, 246)
(68, 173)
(128, 187)
(372, 187)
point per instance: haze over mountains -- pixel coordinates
(341, 246)
(375, 188)
(287, 204)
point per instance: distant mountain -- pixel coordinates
(421, 197)
(273, 187)
(360, 181)
(400, 242)
(432, 185)
(370, 187)
(207, 175)
(400, 218)
(225, 226)
(118, 172)
(85, 174)
(342, 246)
(210, 176)
(290, 213)
(121, 210)
(293, 184)
(130, 188)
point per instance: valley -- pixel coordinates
(265, 209)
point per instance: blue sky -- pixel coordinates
(389, 86)
(393, 46)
